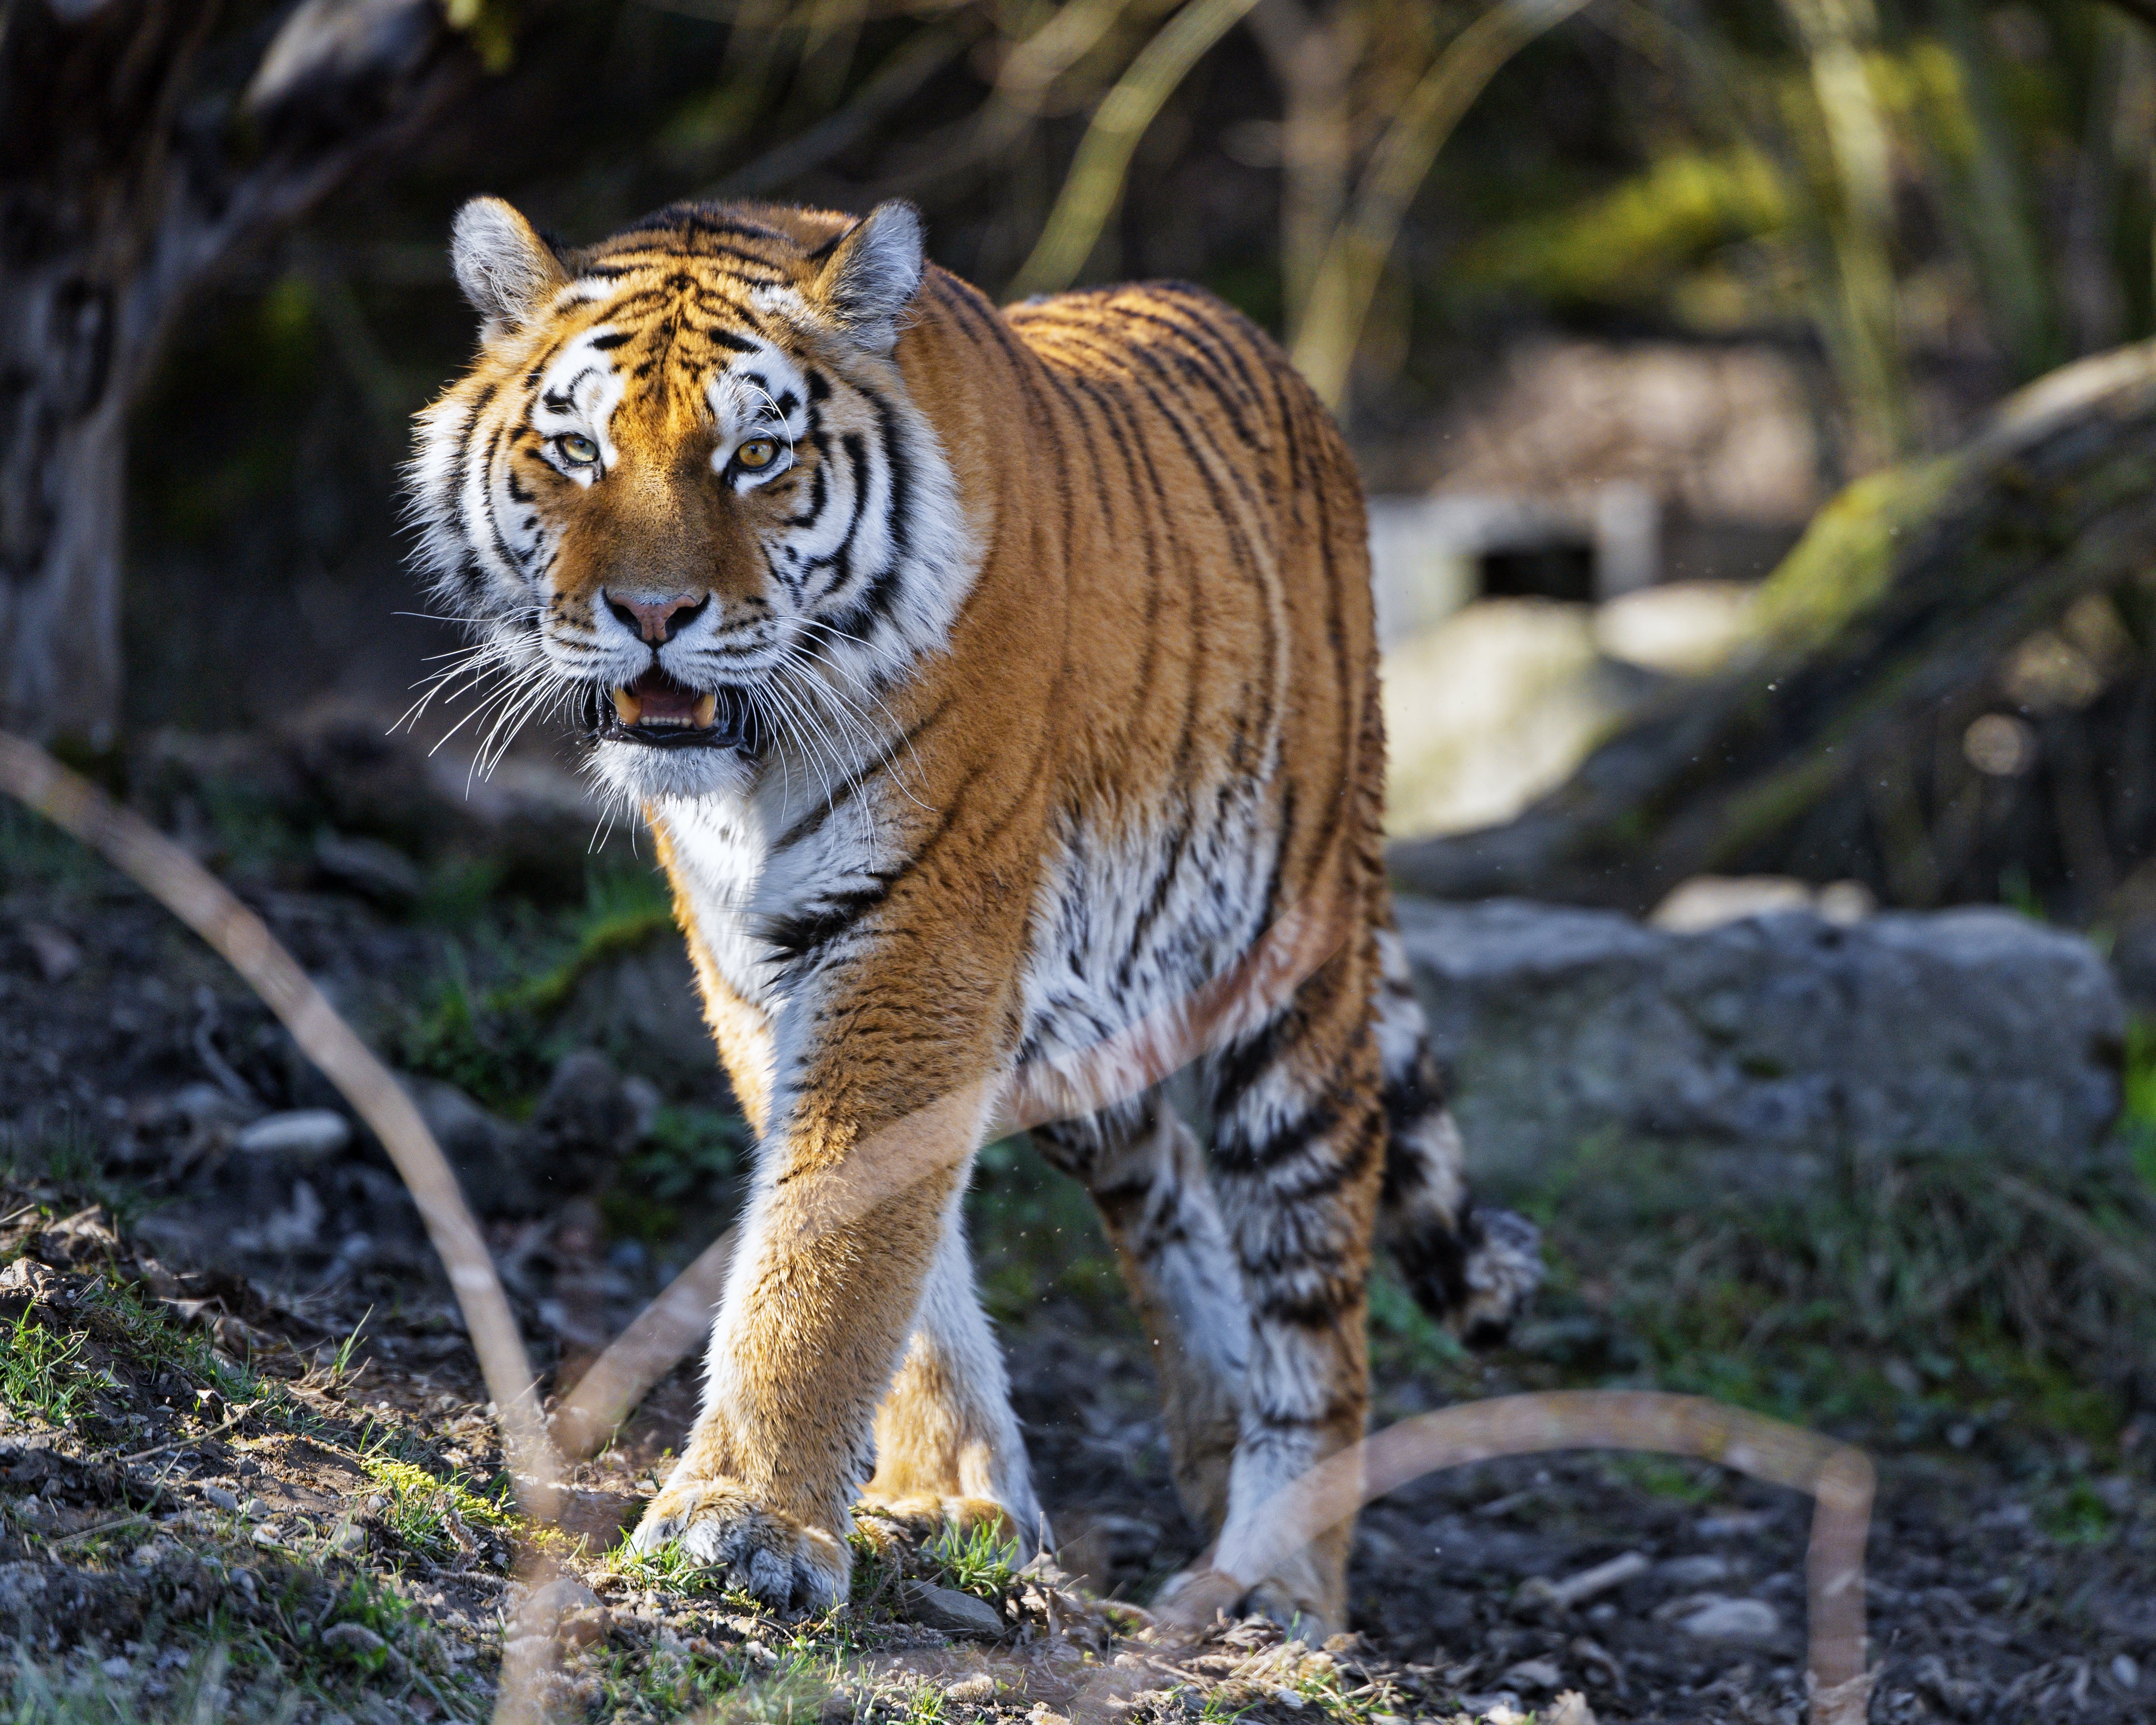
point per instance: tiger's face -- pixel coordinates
(685, 492)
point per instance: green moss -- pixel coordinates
(1624, 245)
(1845, 563)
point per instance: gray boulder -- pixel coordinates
(1749, 1055)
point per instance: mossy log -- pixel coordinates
(1951, 694)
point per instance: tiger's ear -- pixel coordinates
(507, 270)
(873, 273)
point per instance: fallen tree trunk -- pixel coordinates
(1951, 695)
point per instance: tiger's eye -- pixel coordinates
(577, 449)
(757, 452)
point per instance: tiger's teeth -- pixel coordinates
(630, 707)
(706, 712)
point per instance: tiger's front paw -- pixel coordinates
(777, 1559)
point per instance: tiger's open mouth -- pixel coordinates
(661, 713)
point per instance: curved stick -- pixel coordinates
(1838, 1477)
(206, 906)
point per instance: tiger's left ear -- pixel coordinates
(874, 272)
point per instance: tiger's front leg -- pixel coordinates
(948, 1451)
(842, 1231)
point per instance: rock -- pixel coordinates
(356, 1639)
(1569, 1708)
(954, 1613)
(299, 1131)
(585, 1119)
(58, 957)
(1740, 1623)
(1696, 1572)
(1742, 1055)
(563, 1605)
(975, 1690)
(1532, 1674)
(642, 1000)
(485, 1151)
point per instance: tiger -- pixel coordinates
(989, 680)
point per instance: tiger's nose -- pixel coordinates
(659, 619)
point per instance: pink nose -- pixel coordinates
(660, 619)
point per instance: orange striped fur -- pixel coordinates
(991, 679)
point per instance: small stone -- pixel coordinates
(1288, 1698)
(1738, 1622)
(116, 1667)
(1697, 1572)
(355, 1639)
(1569, 1708)
(2125, 1671)
(547, 1609)
(975, 1690)
(945, 1609)
(255, 1510)
(57, 956)
(222, 1499)
(349, 1540)
(297, 1131)
(836, 1709)
(1533, 1674)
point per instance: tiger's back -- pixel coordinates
(996, 684)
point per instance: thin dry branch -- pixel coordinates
(206, 906)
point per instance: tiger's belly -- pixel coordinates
(1131, 925)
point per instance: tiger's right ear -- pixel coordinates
(507, 270)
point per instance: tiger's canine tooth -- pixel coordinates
(630, 707)
(706, 713)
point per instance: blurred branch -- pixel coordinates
(1324, 344)
(1095, 181)
(1859, 216)
(1311, 58)
(901, 77)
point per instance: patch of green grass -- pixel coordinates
(669, 1569)
(426, 1514)
(1929, 1298)
(1037, 1238)
(486, 1025)
(980, 1561)
(2077, 1516)
(1690, 1483)
(40, 1373)
(688, 1159)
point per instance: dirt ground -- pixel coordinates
(246, 1468)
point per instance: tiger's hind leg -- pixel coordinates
(1297, 1157)
(948, 1451)
(1474, 1268)
(1146, 1172)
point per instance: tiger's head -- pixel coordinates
(684, 493)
